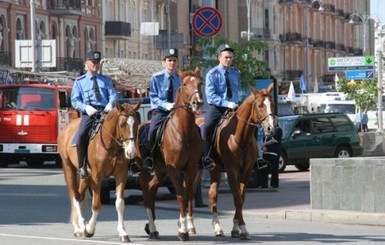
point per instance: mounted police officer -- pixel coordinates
(91, 93)
(163, 87)
(221, 87)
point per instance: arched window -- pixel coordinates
(19, 29)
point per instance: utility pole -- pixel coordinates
(33, 34)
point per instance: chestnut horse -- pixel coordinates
(178, 153)
(109, 153)
(236, 151)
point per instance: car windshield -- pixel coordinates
(286, 124)
(27, 99)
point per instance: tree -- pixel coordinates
(244, 59)
(363, 92)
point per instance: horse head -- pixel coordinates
(126, 126)
(263, 109)
(190, 92)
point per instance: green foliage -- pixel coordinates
(363, 92)
(243, 59)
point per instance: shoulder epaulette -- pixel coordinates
(213, 70)
(159, 73)
(81, 77)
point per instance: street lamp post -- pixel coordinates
(306, 6)
(364, 19)
(248, 20)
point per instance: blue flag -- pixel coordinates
(302, 83)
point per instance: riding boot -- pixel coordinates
(207, 162)
(148, 162)
(81, 150)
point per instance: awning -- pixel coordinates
(130, 72)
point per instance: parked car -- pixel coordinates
(317, 136)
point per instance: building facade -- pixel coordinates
(301, 34)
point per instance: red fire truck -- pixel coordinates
(31, 115)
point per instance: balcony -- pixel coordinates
(340, 13)
(318, 44)
(330, 45)
(64, 7)
(117, 29)
(340, 47)
(5, 58)
(329, 8)
(350, 50)
(292, 74)
(69, 64)
(261, 33)
(357, 51)
(291, 37)
(285, 1)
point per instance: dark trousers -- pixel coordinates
(212, 118)
(274, 161)
(82, 141)
(157, 119)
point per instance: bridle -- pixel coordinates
(186, 101)
(259, 119)
(120, 139)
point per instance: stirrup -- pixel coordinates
(135, 168)
(148, 163)
(208, 163)
(83, 172)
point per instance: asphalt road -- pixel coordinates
(34, 209)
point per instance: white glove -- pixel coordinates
(90, 110)
(232, 105)
(108, 108)
(169, 106)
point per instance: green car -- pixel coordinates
(317, 136)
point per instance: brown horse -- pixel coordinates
(236, 151)
(109, 153)
(178, 154)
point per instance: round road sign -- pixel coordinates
(207, 22)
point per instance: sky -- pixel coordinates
(377, 10)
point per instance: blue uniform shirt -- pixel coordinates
(216, 88)
(83, 92)
(159, 87)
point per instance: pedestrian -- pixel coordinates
(271, 148)
(91, 93)
(163, 87)
(364, 120)
(221, 87)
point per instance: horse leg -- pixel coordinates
(76, 218)
(213, 198)
(174, 175)
(238, 189)
(120, 205)
(149, 186)
(96, 203)
(191, 189)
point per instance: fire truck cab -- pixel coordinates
(31, 115)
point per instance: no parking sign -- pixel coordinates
(207, 22)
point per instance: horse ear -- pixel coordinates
(196, 71)
(137, 105)
(270, 88)
(118, 106)
(180, 73)
(252, 89)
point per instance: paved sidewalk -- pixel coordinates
(290, 201)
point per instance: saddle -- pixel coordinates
(225, 118)
(98, 121)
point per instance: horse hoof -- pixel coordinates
(154, 235)
(89, 234)
(245, 236)
(192, 231)
(125, 238)
(183, 236)
(235, 234)
(147, 229)
(219, 233)
(78, 234)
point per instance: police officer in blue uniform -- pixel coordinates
(91, 93)
(221, 87)
(163, 87)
